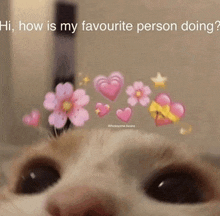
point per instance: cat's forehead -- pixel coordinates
(107, 142)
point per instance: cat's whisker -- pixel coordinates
(55, 132)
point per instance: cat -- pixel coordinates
(110, 173)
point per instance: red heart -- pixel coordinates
(159, 120)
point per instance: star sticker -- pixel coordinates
(186, 129)
(97, 111)
(85, 81)
(159, 81)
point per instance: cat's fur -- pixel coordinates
(108, 169)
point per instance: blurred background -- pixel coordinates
(33, 61)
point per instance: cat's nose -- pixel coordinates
(80, 201)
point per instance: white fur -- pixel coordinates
(116, 163)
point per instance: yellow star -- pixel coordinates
(97, 111)
(186, 130)
(86, 80)
(159, 81)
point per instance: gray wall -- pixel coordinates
(190, 60)
(6, 111)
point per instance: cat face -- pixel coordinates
(123, 173)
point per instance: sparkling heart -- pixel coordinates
(110, 86)
(175, 108)
(124, 115)
(102, 109)
(32, 119)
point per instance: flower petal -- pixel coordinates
(79, 93)
(84, 100)
(146, 90)
(144, 101)
(64, 91)
(50, 101)
(130, 90)
(132, 101)
(79, 116)
(57, 119)
(138, 85)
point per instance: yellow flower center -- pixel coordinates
(67, 106)
(138, 94)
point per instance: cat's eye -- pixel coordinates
(175, 187)
(37, 179)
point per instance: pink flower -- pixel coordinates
(138, 93)
(66, 103)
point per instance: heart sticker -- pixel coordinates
(32, 119)
(124, 115)
(164, 111)
(110, 86)
(102, 109)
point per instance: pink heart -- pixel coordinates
(110, 86)
(175, 108)
(163, 99)
(125, 114)
(32, 119)
(117, 76)
(103, 109)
